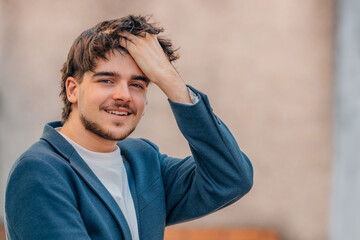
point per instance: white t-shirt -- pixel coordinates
(110, 170)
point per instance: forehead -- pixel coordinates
(120, 62)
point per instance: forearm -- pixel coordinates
(174, 88)
(214, 148)
(217, 174)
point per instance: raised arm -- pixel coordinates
(217, 173)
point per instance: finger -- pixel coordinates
(127, 36)
(125, 42)
(143, 34)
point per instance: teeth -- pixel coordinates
(118, 113)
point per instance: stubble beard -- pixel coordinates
(99, 131)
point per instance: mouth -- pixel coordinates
(118, 113)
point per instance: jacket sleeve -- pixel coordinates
(45, 206)
(216, 175)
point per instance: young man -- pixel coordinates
(85, 179)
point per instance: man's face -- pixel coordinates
(111, 99)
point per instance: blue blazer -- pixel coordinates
(53, 194)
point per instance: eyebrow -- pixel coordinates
(114, 74)
(142, 78)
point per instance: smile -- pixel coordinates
(119, 113)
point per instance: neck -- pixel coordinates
(87, 139)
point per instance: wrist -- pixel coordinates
(176, 90)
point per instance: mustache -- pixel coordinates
(118, 105)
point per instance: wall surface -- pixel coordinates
(345, 214)
(2, 154)
(265, 65)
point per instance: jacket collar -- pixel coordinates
(64, 148)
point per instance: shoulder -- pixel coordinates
(43, 152)
(40, 170)
(40, 160)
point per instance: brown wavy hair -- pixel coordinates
(97, 41)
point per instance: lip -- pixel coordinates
(129, 113)
(121, 109)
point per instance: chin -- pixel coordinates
(122, 136)
(116, 133)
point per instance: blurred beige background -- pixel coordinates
(267, 67)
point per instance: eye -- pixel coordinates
(107, 81)
(137, 85)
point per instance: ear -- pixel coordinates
(72, 88)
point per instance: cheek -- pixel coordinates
(91, 98)
(140, 102)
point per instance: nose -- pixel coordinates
(122, 92)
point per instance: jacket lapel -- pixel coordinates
(131, 181)
(78, 164)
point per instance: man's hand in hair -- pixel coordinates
(151, 59)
